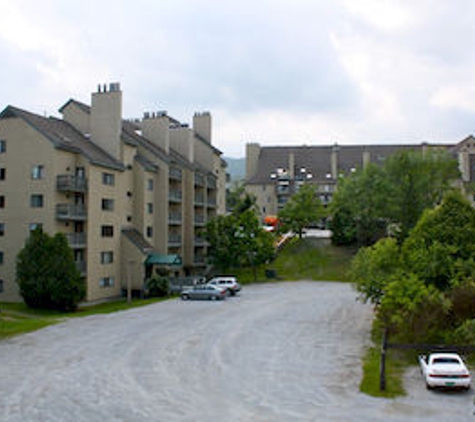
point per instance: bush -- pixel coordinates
(47, 274)
(157, 286)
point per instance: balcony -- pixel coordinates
(175, 196)
(175, 174)
(174, 240)
(199, 220)
(199, 260)
(74, 212)
(199, 180)
(71, 183)
(211, 182)
(199, 199)
(174, 218)
(211, 203)
(81, 267)
(200, 241)
(77, 240)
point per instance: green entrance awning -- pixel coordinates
(158, 259)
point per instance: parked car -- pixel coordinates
(226, 282)
(204, 291)
(444, 370)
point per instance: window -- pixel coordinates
(38, 172)
(36, 201)
(150, 208)
(106, 282)
(108, 179)
(1, 286)
(107, 257)
(107, 204)
(3, 173)
(149, 231)
(107, 231)
(150, 184)
(1, 257)
(2, 201)
(2, 229)
(34, 226)
(3, 146)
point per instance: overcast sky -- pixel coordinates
(276, 72)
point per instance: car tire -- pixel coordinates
(185, 297)
(429, 387)
(212, 297)
(232, 292)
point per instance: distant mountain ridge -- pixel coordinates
(236, 168)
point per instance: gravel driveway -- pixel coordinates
(278, 352)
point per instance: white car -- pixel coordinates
(226, 282)
(446, 370)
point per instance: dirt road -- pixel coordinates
(278, 352)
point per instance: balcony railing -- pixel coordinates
(175, 196)
(199, 220)
(199, 199)
(81, 266)
(175, 173)
(174, 218)
(77, 240)
(174, 239)
(211, 202)
(71, 183)
(211, 182)
(76, 212)
(199, 180)
(200, 241)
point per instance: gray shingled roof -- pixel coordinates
(138, 240)
(64, 136)
(317, 159)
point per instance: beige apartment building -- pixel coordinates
(274, 173)
(130, 195)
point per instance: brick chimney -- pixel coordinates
(106, 119)
(202, 125)
(155, 126)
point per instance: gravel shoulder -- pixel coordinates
(278, 352)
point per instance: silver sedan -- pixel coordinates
(205, 291)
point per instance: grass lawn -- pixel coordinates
(17, 318)
(304, 259)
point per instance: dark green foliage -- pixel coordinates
(157, 286)
(425, 289)
(302, 209)
(395, 195)
(47, 274)
(238, 240)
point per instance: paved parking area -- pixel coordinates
(278, 352)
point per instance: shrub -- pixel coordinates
(157, 286)
(47, 274)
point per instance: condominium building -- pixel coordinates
(130, 195)
(274, 173)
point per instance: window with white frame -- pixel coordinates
(149, 231)
(150, 208)
(34, 226)
(106, 282)
(3, 146)
(2, 201)
(2, 229)
(38, 172)
(2, 256)
(36, 201)
(150, 184)
(107, 231)
(3, 173)
(1, 286)
(107, 204)
(107, 257)
(108, 179)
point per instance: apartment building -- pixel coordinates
(130, 195)
(274, 173)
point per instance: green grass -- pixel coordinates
(305, 259)
(395, 366)
(17, 318)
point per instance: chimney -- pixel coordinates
(106, 119)
(292, 165)
(252, 158)
(181, 139)
(155, 127)
(334, 161)
(202, 125)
